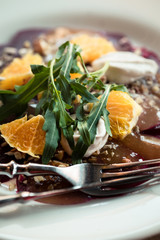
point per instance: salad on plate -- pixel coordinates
(70, 96)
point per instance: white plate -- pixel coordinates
(127, 217)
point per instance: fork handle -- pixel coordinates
(24, 197)
(12, 169)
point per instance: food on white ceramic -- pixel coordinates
(90, 97)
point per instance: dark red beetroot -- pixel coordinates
(150, 117)
(56, 182)
(22, 36)
(151, 55)
(154, 131)
(147, 146)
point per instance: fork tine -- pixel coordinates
(131, 164)
(130, 180)
(128, 173)
(109, 192)
(124, 185)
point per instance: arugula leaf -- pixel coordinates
(92, 121)
(96, 112)
(56, 104)
(116, 87)
(80, 114)
(68, 133)
(106, 121)
(82, 91)
(52, 136)
(17, 103)
(83, 129)
(65, 118)
(37, 68)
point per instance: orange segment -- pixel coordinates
(28, 137)
(18, 72)
(38, 141)
(124, 113)
(9, 129)
(93, 47)
(75, 75)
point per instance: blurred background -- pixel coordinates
(139, 18)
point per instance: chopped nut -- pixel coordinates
(1, 103)
(19, 155)
(4, 144)
(96, 153)
(30, 116)
(112, 154)
(60, 155)
(93, 158)
(25, 181)
(27, 44)
(12, 186)
(10, 153)
(58, 164)
(144, 89)
(156, 88)
(139, 100)
(50, 187)
(126, 160)
(10, 50)
(24, 51)
(39, 179)
(105, 152)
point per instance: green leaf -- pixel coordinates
(56, 103)
(65, 88)
(64, 74)
(80, 114)
(67, 65)
(43, 103)
(65, 119)
(61, 50)
(82, 91)
(52, 136)
(68, 133)
(106, 121)
(116, 87)
(37, 68)
(92, 121)
(83, 129)
(98, 74)
(17, 103)
(79, 151)
(97, 112)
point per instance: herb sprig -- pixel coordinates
(57, 102)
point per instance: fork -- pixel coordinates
(93, 179)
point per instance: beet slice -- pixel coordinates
(147, 146)
(150, 117)
(154, 131)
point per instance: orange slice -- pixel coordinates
(27, 137)
(93, 47)
(124, 113)
(75, 75)
(18, 72)
(9, 129)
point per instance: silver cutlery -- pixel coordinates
(93, 179)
